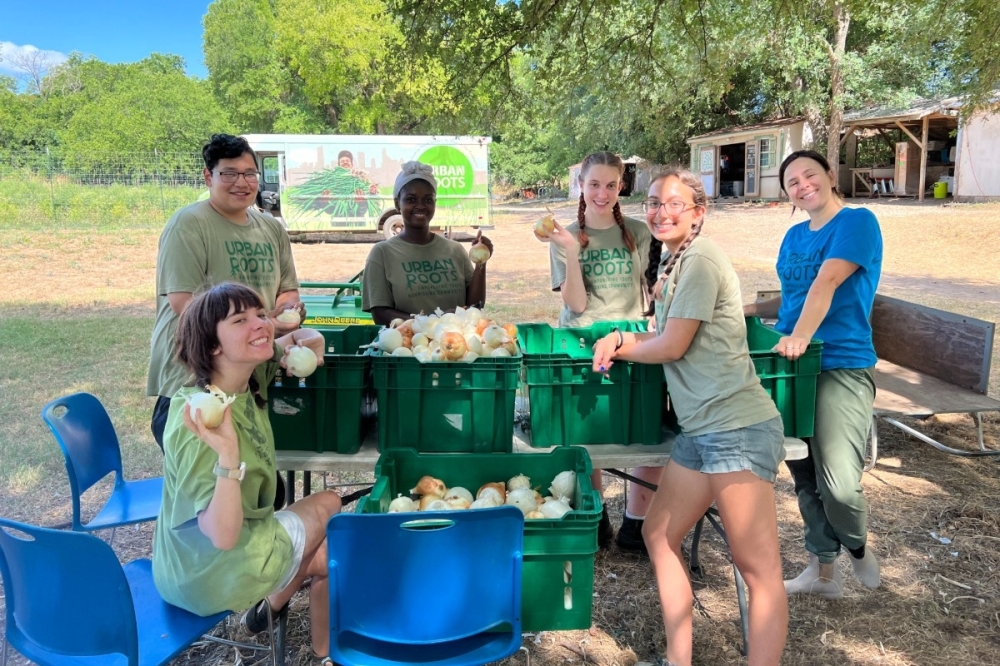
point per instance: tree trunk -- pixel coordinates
(842, 18)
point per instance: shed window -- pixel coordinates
(767, 153)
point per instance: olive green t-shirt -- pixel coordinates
(188, 570)
(200, 248)
(714, 387)
(416, 278)
(612, 275)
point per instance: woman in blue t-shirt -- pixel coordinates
(829, 268)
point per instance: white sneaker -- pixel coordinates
(866, 569)
(810, 582)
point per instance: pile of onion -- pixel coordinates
(460, 336)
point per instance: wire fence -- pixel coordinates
(51, 188)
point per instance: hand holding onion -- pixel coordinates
(481, 250)
(545, 226)
(220, 436)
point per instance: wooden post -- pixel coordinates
(923, 158)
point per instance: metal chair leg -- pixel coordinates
(694, 566)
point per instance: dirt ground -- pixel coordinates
(939, 602)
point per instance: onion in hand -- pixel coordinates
(208, 408)
(301, 361)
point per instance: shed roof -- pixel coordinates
(916, 110)
(748, 128)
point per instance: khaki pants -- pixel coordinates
(828, 482)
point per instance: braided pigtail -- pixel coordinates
(581, 219)
(627, 236)
(655, 251)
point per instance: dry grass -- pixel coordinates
(938, 603)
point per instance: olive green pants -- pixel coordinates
(828, 482)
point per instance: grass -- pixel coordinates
(76, 313)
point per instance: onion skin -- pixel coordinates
(453, 346)
(479, 253)
(545, 226)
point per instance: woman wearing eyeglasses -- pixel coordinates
(597, 265)
(731, 437)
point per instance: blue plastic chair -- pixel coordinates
(70, 602)
(88, 441)
(439, 589)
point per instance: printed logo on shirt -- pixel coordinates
(606, 268)
(252, 264)
(801, 266)
(431, 278)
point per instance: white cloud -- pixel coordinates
(11, 53)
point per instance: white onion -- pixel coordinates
(395, 323)
(301, 361)
(458, 503)
(517, 482)
(473, 315)
(420, 340)
(479, 253)
(402, 351)
(208, 408)
(474, 343)
(290, 316)
(424, 355)
(491, 494)
(564, 486)
(436, 505)
(451, 319)
(486, 502)
(555, 508)
(523, 499)
(494, 336)
(534, 515)
(469, 357)
(437, 356)
(402, 504)
(389, 339)
(458, 491)
(500, 351)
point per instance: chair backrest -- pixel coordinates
(88, 441)
(66, 593)
(443, 588)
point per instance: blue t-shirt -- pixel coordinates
(852, 235)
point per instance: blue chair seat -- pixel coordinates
(132, 502)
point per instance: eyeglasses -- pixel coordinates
(232, 176)
(673, 207)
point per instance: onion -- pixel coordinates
(458, 491)
(395, 323)
(420, 340)
(402, 351)
(424, 355)
(290, 316)
(405, 329)
(487, 502)
(428, 485)
(301, 361)
(437, 356)
(510, 330)
(389, 339)
(474, 343)
(495, 490)
(473, 315)
(545, 226)
(458, 503)
(402, 504)
(435, 504)
(479, 253)
(534, 515)
(482, 325)
(555, 508)
(500, 352)
(523, 499)
(510, 346)
(208, 408)
(452, 320)
(469, 357)
(453, 346)
(564, 486)
(494, 336)
(517, 482)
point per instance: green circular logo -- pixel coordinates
(453, 172)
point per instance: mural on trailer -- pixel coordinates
(349, 185)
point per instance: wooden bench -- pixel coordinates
(929, 362)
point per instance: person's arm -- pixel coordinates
(652, 348)
(179, 300)
(832, 274)
(307, 337)
(766, 309)
(475, 292)
(222, 519)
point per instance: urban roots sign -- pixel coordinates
(453, 172)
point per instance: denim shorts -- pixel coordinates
(292, 523)
(757, 448)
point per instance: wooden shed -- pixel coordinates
(742, 162)
(936, 145)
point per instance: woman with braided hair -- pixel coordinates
(731, 437)
(596, 265)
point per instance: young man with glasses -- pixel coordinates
(220, 239)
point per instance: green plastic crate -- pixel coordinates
(324, 411)
(571, 404)
(558, 567)
(791, 384)
(445, 407)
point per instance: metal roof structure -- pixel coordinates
(747, 128)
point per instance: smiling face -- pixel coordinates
(416, 203)
(808, 185)
(231, 200)
(671, 222)
(346, 162)
(600, 186)
(245, 338)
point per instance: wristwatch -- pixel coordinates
(227, 473)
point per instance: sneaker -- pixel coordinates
(630, 535)
(604, 530)
(866, 569)
(810, 582)
(255, 619)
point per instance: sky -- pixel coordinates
(114, 31)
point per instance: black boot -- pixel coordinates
(630, 535)
(604, 530)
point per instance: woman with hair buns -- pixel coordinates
(597, 267)
(418, 270)
(732, 438)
